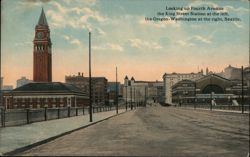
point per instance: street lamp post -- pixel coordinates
(211, 99)
(126, 101)
(116, 91)
(195, 96)
(134, 98)
(90, 88)
(131, 98)
(145, 98)
(242, 90)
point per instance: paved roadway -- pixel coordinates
(166, 131)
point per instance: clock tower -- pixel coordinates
(42, 59)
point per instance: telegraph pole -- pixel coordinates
(1, 94)
(126, 86)
(131, 106)
(242, 90)
(211, 99)
(145, 97)
(134, 98)
(90, 86)
(116, 90)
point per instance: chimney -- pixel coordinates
(82, 74)
(79, 74)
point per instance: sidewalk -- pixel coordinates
(217, 110)
(12, 138)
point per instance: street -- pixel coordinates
(156, 131)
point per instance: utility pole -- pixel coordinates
(134, 98)
(211, 99)
(1, 94)
(145, 98)
(90, 85)
(242, 90)
(131, 98)
(195, 99)
(116, 90)
(126, 87)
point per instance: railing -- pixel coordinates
(16, 117)
(218, 107)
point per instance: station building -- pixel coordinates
(50, 95)
(211, 87)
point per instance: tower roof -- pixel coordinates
(42, 20)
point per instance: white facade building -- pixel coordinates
(22, 81)
(171, 79)
(141, 91)
(7, 87)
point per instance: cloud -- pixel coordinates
(184, 43)
(61, 16)
(189, 42)
(75, 41)
(238, 25)
(240, 9)
(66, 37)
(109, 46)
(35, 1)
(27, 5)
(138, 43)
(71, 40)
(26, 43)
(201, 39)
(81, 2)
(101, 32)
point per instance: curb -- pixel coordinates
(22, 149)
(215, 110)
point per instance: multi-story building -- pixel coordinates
(7, 87)
(231, 73)
(111, 91)
(22, 81)
(173, 78)
(141, 91)
(183, 91)
(247, 76)
(1, 83)
(209, 87)
(99, 87)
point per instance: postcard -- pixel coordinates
(125, 77)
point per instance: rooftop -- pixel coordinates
(48, 87)
(42, 20)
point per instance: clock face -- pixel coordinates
(39, 35)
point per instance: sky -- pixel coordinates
(121, 37)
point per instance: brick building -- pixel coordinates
(40, 95)
(99, 87)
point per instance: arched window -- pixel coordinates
(213, 88)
